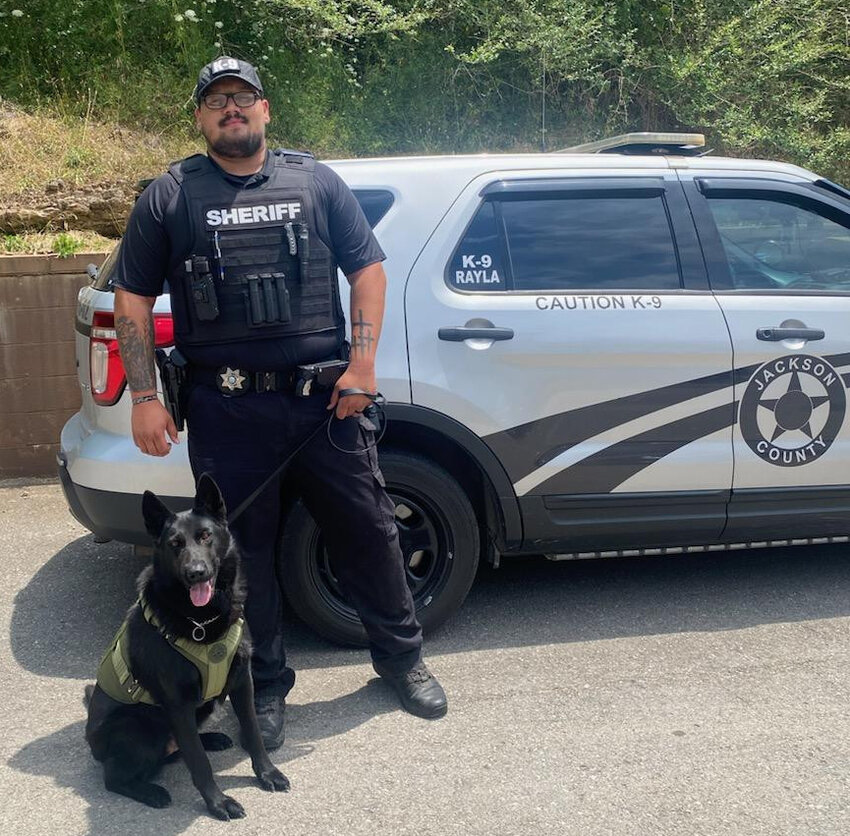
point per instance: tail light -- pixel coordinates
(107, 371)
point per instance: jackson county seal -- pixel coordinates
(792, 410)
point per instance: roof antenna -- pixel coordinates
(543, 107)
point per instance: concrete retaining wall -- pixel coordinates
(38, 376)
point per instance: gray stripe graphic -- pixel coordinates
(527, 447)
(605, 470)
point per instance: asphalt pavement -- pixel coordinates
(682, 695)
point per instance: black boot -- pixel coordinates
(270, 710)
(419, 691)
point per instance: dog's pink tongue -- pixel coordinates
(200, 593)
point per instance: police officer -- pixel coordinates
(249, 241)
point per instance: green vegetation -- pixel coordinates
(49, 147)
(363, 77)
(63, 244)
(14, 244)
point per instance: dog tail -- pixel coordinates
(87, 695)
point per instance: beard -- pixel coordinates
(237, 147)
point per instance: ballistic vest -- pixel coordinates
(258, 269)
(212, 660)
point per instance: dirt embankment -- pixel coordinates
(71, 173)
(99, 207)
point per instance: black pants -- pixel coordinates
(240, 441)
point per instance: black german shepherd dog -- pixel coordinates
(194, 580)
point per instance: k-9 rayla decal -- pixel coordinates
(477, 269)
(792, 409)
(619, 302)
(249, 215)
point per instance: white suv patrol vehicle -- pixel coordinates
(624, 348)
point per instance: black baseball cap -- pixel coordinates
(226, 67)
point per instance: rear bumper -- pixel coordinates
(110, 515)
(91, 463)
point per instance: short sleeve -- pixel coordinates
(351, 238)
(146, 247)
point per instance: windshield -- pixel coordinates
(103, 278)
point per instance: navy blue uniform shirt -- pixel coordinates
(158, 239)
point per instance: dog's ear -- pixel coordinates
(156, 514)
(209, 500)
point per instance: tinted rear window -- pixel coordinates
(590, 242)
(580, 242)
(375, 203)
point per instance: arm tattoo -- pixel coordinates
(361, 335)
(136, 352)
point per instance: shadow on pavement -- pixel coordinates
(64, 757)
(65, 616)
(541, 602)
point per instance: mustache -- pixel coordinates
(230, 116)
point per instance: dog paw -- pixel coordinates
(155, 796)
(273, 780)
(215, 741)
(226, 808)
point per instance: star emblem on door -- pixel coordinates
(794, 409)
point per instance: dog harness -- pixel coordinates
(212, 660)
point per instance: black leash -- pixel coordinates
(374, 412)
(377, 406)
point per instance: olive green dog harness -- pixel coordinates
(212, 661)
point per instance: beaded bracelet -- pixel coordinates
(143, 399)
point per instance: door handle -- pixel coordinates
(775, 335)
(460, 333)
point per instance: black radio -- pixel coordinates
(318, 375)
(203, 287)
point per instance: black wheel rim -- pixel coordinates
(427, 548)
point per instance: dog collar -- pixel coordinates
(199, 633)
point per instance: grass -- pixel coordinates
(49, 146)
(62, 243)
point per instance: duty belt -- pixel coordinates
(237, 381)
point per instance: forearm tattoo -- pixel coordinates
(362, 339)
(136, 352)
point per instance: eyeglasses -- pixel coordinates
(241, 98)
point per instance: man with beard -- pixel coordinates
(249, 241)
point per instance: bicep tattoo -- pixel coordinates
(136, 352)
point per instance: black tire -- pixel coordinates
(429, 504)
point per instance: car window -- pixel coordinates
(375, 203)
(568, 243)
(771, 244)
(478, 263)
(606, 243)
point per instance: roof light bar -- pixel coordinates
(642, 142)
